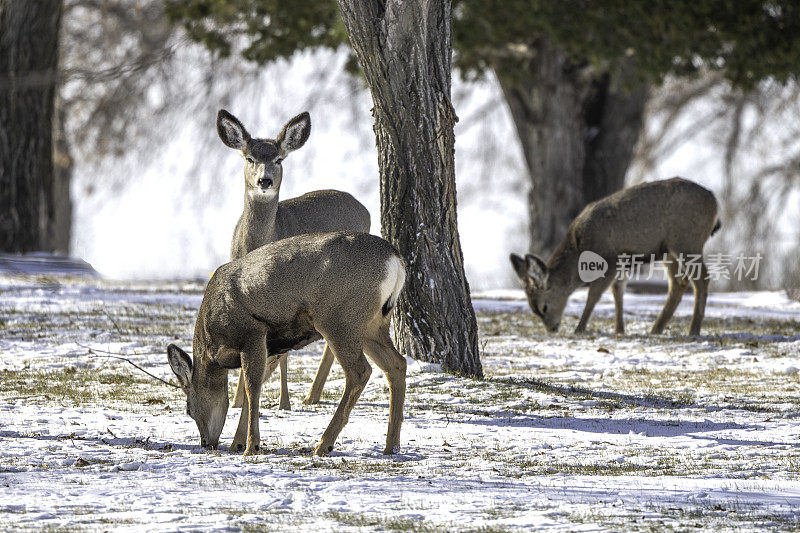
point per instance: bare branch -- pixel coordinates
(93, 352)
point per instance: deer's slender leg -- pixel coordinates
(356, 372)
(596, 290)
(322, 374)
(381, 350)
(677, 286)
(285, 404)
(240, 438)
(618, 290)
(700, 287)
(254, 362)
(238, 397)
(254, 367)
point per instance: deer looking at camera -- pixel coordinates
(670, 219)
(338, 286)
(265, 219)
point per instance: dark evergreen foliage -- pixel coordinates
(748, 40)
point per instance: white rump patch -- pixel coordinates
(393, 283)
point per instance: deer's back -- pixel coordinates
(319, 212)
(313, 212)
(289, 285)
(674, 214)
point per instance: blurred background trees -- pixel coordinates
(97, 64)
(747, 141)
(117, 74)
(575, 74)
(719, 78)
(28, 77)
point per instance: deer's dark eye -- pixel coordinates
(544, 308)
(279, 161)
(250, 160)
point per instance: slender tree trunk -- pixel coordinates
(577, 131)
(61, 223)
(28, 68)
(404, 48)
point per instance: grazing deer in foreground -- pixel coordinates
(265, 219)
(669, 219)
(337, 286)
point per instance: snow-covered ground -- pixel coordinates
(568, 433)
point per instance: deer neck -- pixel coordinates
(211, 355)
(563, 266)
(259, 215)
(210, 374)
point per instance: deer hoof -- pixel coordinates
(251, 450)
(322, 451)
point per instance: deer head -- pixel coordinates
(206, 394)
(263, 157)
(547, 299)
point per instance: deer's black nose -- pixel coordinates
(265, 183)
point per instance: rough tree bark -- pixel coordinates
(577, 130)
(404, 48)
(28, 72)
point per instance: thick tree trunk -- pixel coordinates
(546, 107)
(28, 68)
(614, 117)
(577, 131)
(404, 48)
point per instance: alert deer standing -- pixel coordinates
(670, 219)
(338, 286)
(265, 219)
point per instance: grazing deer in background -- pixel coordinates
(265, 219)
(337, 286)
(669, 219)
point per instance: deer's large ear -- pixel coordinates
(537, 270)
(294, 134)
(519, 266)
(231, 131)
(181, 365)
